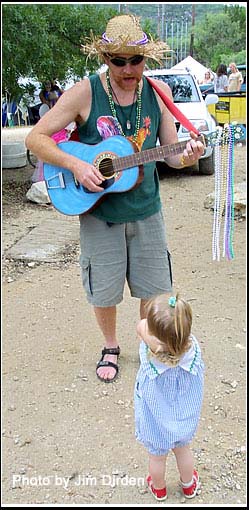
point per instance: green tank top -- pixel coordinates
(144, 200)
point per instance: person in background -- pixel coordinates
(208, 78)
(45, 93)
(122, 237)
(235, 78)
(221, 79)
(50, 93)
(55, 88)
(168, 391)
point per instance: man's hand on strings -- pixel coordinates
(193, 151)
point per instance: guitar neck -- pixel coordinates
(148, 155)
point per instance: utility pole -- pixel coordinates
(191, 50)
(172, 43)
(163, 23)
(158, 21)
(122, 8)
(186, 38)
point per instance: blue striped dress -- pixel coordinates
(168, 400)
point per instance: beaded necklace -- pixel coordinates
(220, 192)
(229, 210)
(113, 109)
(224, 196)
(128, 122)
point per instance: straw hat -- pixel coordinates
(124, 35)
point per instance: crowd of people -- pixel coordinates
(224, 79)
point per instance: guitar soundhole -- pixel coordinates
(106, 168)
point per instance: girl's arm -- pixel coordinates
(150, 340)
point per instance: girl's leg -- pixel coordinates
(157, 469)
(185, 463)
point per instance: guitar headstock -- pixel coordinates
(224, 135)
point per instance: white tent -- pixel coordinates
(193, 66)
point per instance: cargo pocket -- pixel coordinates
(170, 267)
(86, 275)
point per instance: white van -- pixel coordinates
(188, 98)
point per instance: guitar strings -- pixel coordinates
(174, 148)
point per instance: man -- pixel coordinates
(123, 236)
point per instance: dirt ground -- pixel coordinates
(67, 438)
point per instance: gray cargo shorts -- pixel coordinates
(112, 254)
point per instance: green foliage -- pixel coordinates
(43, 41)
(217, 37)
(237, 13)
(238, 58)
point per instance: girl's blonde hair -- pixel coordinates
(234, 65)
(171, 325)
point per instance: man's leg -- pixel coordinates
(106, 318)
(103, 262)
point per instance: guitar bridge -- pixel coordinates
(59, 177)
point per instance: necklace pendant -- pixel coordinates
(128, 124)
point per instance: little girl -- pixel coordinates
(168, 391)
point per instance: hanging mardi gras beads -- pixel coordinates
(216, 218)
(224, 192)
(229, 208)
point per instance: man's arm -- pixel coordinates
(74, 103)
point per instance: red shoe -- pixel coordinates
(159, 494)
(190, 492)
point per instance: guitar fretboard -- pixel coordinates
(147, 156)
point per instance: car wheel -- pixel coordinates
(206, 165)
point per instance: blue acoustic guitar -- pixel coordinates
(120, 164)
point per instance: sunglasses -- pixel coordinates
(121, 61)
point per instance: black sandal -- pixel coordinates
(115, 351)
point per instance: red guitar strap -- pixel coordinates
(173, 108)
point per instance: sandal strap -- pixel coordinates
(112, 350)
(107, 364)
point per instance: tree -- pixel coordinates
(219, 35)
(43, 41)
